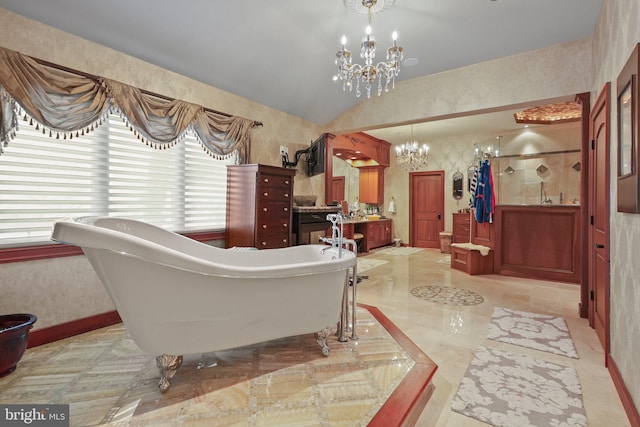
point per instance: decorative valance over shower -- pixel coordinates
(67, 104)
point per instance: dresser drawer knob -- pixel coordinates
(286, 209)
(264, 226)
(286, 181)
(284, 240)
(264, 243)
(264, 209)
(266, 180)
(286, 194)
(285, 225)
(266, 194)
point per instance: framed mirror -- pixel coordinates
(628, 134)
(458, 185)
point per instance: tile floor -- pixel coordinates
(448, 334)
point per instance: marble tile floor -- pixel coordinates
(448, 334)
(106, 380)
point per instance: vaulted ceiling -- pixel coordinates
(281, 52)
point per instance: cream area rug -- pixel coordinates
(398, 251)
(531, 330)
(445, 260)
(507, 389)
(365, 264)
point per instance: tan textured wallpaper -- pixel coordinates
(616, 35)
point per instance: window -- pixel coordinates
(107, 172)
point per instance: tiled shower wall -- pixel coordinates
(538, 164)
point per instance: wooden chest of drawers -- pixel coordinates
(461, 228)
(259, 206)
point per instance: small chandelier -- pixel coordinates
(368, 73)
(409, 156)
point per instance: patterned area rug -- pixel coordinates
(447, 295)
(365, 264)
(399, 251)
(531, 330)
(508, 389)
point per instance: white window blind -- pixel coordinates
(107, 172)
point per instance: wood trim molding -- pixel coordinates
(30, 253)
(406, 403)
(623, 393)
(72, 328)
(56, 250)
(584, 99)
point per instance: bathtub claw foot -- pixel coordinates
(322, 340)
(168, 366)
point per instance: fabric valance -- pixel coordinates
(68, 104)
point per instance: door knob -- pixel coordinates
(599, 246)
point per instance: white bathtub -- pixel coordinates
(177, 296)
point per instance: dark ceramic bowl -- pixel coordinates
(14, 331)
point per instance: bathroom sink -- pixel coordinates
(373, 217)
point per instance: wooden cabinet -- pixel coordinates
(259, 206)
(369, 153)
(539, 242)
(376, 233)
(384, 153)
(461, 228)
(372, 185)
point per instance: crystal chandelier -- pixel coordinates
(410, 156)
(368, 73)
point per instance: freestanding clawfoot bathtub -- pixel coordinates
(177, 296)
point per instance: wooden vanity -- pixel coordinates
(538, 242)
(375, 233)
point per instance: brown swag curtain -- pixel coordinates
(68, 104)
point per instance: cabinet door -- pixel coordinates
(372, 185)
(365, 193)
(388, 235)
(380, 186)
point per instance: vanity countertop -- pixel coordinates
(316, 209)
(360, 221)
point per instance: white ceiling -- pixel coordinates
(281, 52)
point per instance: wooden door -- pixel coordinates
(599, 217)
(337, 189)
(426, 208)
